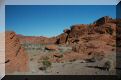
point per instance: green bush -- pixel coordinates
(46, 63)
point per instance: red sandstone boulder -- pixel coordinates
(16, 58)
(51, 47)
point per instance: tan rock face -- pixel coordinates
(16, 58)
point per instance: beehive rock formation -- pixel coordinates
(16, 58)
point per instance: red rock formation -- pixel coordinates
(16, 58)
(51, 47)
(62, 38)
(104, 25)
(103, 20)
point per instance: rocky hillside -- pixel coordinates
(88, 39)
(87, 42)
(103, 26)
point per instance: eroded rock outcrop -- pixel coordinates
(103, 20)
(104, 25)
(16, 58)
(62, 39)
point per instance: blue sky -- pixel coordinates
(43, 20)
(118, 10)
(62, 2)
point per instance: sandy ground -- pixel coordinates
(66, 68)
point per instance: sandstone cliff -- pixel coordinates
(16, 58)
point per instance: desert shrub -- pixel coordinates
(46, 63)
(32, 46)
(107, 65)
(98, 56)
(61, 56)
(72, 60)
(42, 68)
(45, 58)
(61, 51)
(31, 59)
